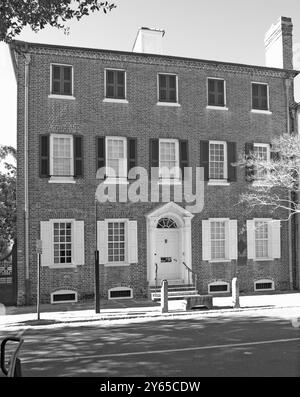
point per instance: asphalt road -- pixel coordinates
(255, 343)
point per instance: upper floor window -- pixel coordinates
(62, 80)
(260, 96)
(169, 159)
(216, 92)
(217, 160)
(116, 157)
(262, 153)
(167, 88)
(115, 84)
(61, 155)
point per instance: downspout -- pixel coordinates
(26, 191)
(290, 229)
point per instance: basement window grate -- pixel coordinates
(264, 285)
(63, 297)
(120, 293)
(218, 287)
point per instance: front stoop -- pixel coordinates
(175, 292)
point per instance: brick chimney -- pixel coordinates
(279, 44)
(149, 41)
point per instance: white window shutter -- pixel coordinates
(275, 238)
(232, 239)
(132, 242)
(251, 239)
(78, 243)
(206, 245)
(102, 241)
(47, 257)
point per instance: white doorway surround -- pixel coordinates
(169, 244)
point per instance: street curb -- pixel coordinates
(154, 316)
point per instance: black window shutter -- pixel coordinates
(44, 156)
(204, 158)
(131, 153)
(183, 155)
(100, 144)
(231, 158)
(154, 156)
(78, 156)
(249, 171)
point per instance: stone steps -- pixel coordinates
(175, 292)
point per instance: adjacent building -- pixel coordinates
(82, 109)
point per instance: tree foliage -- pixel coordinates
(16, 14)
(275, 182)
(8, 215)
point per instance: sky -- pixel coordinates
(230, 30)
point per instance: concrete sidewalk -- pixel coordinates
(130, 309)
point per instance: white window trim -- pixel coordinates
(177, 159)
(58, 178)
(121, 289)
(218, 283)
(268, 220)
(120, 179)
(115, 100)
(227, 240)
(264, 281)
(63, 265)
(219, 181)
(261, 111)
(225, 96)
(260, 182)
(159, 103)
(126, 223)
(62, 292)
(57, 96)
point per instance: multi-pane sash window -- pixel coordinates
(168, 158)
(167, 88)
(261, 239)
(217, 160)
(260, 96)
(116, 157)
(62, 233)
(216, 92)
(116, 241)
(261, 152)
(62, 155)
(218, 239)
(61, 80)
(115, 84)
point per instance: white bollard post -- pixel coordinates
(164, 296)
(235, 293)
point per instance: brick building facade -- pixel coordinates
(80, 109)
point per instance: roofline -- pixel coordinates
(14, 61)
(209, 61)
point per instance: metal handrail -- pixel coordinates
(191, 271)
(14, 368)
(156, 271)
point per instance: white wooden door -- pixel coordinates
(167, 249)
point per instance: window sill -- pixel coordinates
(174, 104)
(169, 182)
(261, 183)
(116, 264)
(55, 96)
(219, 260)
(263, 259)
(61, 266)
(57, 179)
(218, 183)
(210, 107)
(116, 181)
(115, 100)
(258, 111)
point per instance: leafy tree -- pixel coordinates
(16, 14)
(276, 181)
(8, 214)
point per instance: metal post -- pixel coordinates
(164, 296)
(235, 293)
(38, 286)
(97, 283)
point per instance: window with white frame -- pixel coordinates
(262, 153)
(260, 96)
(167, 87)
(61, 79)
(218, 239)
(62, 244)
(115, 81)
(116, 157)
(168, 159)
(116, 241)
(217, 160)
(61, 150)
(261, 239)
